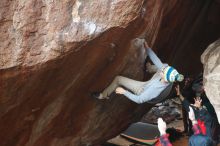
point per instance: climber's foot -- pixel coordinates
(98, 95)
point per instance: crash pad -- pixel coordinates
(142, 133)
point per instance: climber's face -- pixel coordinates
(162, 73)
(162, 76)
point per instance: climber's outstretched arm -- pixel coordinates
(153, 57)
(145, 96)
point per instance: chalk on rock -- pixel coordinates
(138, 42)
(112, 45)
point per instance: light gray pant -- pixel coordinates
(135, 86)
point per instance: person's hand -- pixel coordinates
(120, 90)
(162, 126)
(192, 116)
(146, 45)
(198, 102)
(177, 90)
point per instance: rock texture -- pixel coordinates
(53, 54)
(211, 60)
(38, 31)
(169, 111)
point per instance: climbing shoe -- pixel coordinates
(98, 95)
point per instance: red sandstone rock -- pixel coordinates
(54, 53)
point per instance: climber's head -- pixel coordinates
(171, 75)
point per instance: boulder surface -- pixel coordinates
(53, 54)
(211, 61)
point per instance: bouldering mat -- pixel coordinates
(143, 133)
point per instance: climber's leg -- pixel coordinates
(135, 86)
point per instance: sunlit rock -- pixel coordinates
(211, 60)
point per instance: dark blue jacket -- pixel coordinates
(200, 140)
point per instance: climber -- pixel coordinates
(141, 92)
